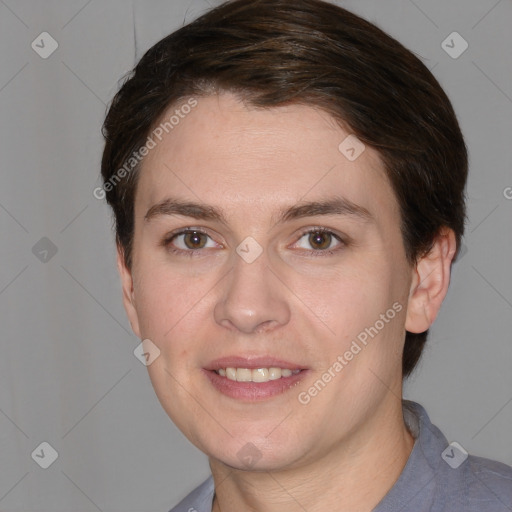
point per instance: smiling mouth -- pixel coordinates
(238, 383)
(256, 374)
(253, 378)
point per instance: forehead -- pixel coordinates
(227, 154)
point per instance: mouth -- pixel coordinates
(254, 379)
(257, 374)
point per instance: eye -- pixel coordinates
(319, 240)
(189, 240)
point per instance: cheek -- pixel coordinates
(173, 311)
(161, 301)
(363, 303)
(342, 299)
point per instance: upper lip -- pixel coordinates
(252, 363)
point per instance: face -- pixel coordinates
(259, 245)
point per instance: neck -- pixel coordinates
(352, 476)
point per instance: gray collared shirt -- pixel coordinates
(438, 477)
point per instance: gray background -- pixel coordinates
(68, 375)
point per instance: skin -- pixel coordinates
(345, 448)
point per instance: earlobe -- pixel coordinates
(430, 280)
(128, 292)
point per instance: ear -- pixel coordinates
(128, 292)
(431, 277)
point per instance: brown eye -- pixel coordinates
(194, 239)
(189, 241)
(320, 240)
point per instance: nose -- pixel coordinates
(253, 299)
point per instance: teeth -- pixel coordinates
(274, 373)
(256, 375)
(259, 375)
(243, 375)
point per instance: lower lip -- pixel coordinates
(253, 391)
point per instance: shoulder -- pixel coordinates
(488, 484)
(199, 500)
(457, 481)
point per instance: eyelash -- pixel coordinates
(166, 242)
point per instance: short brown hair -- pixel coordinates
(276, 52)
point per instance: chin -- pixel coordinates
(253, 453)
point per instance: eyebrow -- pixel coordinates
(333, 206)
